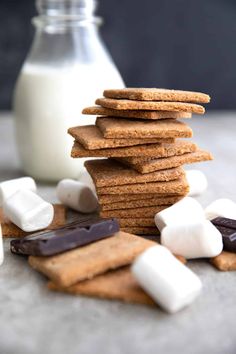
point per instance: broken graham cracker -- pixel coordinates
(11, 230)
(135, 129)
(226, 261)
(138, 230)
(114, 285)
(91, 138)
(178, 187)
(140, 203)
(114, 198)
(86, 262)
(144, 212)
(148, 150)
(157, 94)
(138, 114)
(106, 173)
(143, 165)
(120, 104)
(137, 222)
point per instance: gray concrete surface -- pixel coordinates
(36, 321)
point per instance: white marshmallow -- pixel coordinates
(77, 196)
(170, 283)
(197, 182)
(28, 211)
(8, 188)
(193, 240)
(87, 179)
(1, 248)
(223, 207)
(186, 211)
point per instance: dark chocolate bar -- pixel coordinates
(227, 228)
(71, 236)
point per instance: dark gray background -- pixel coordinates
(185, 44)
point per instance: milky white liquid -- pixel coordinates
(49, 101)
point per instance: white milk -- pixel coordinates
(49, 101)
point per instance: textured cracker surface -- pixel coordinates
(85, 262)
(142, 222)
(112, 173)
(115, 198)
(91, 138)
(144, 212)
(11, 230)
(150, 105)
(226, 261)
(139, 114)
(157, 94)
(149, 150)
(116, 284)
(150, 165)
(124, 128)
(138, 230)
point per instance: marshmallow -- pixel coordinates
(8, 188)
(1, 248)
(87, 179)
(223, 207)
(77, 196)
(193, 240)
(170, 283)
(186, 211)
(197, 182)
(28, 211)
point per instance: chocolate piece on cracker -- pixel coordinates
(149, 150)
(157, 94)
(140, 203)
(226, 261)
(124, 129)
(150, 105)
(178, 187)
(112, 173)
(143, 165)
(116, 198)
(114, 285)
(86, 262)
(144, 212)
(91, 138)
(11, 230)
(138, 114)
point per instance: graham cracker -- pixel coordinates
(140, 203)
(91, 138)
(112, 173)
(86, 262)
(113, 198)
(11, 230)
(138, 230)
(138, 114)
(144, 212)
(148, 150)
(137, 222)
(226, 261)
(114, 285)
(178, 187)
(136, 129)
(157, 94)
(143, 165)
(150, 105)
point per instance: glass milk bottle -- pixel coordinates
(67, 68)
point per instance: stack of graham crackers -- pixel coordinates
(138, 133)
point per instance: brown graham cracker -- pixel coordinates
(112, 173)
(92, 139)
(135, 129)
(157, 94)
(116, 198)
(11, 230)
(226, 261)
(140, 203)
(144, 212)
(150, 105)
(148, 150)
(143, 165)
(114, 285)
(138, 230)
(142, 222)
(178, 187)
(86, 262)
(138, 114)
